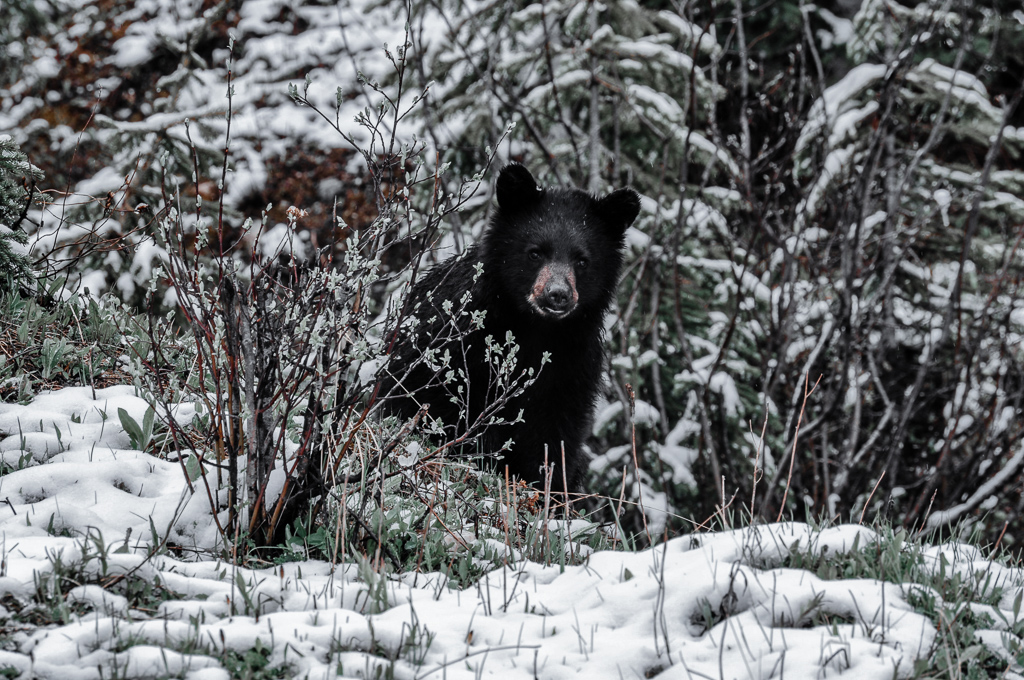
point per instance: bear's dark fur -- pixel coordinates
(550, 263)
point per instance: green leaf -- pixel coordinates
(147, 427)
(192, 468)
(131, 427)
(140, 437)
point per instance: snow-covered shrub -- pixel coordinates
(122, 105)
(831, 201)
(15, 174)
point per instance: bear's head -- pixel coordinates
(556, 252)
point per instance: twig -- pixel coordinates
(757, 459)
(636, 464)
(796, 439)
(870, 496)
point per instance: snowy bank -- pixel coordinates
(83, 512)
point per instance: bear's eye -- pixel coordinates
(533, 254)
(582, 263)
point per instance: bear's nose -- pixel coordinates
(557, 297)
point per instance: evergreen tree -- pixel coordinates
(15, 174)
(820, 206)
(908, 221)
(603, 93)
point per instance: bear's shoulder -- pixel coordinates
(449, 292)
(449, 279)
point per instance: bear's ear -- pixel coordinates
(516, 188)
(620, 208)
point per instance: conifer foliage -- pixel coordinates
(602, 92)
(825, 287)
(16, 173)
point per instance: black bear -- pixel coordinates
(545, 271)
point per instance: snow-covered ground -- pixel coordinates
(82, 506)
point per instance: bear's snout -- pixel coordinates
(554, 292)
(556, 297)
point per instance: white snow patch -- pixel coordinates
(619, 613)
(837, 99)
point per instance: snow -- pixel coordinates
(538, 96)
(678, 457)
(842, 29)
(705, 39)
(723, 384)
(940, 518)
(837, 98)
(132, 50)
(835, 164)
(86, 500)
(645, 415)
(606, 414)
(92, 481)
(963, 87)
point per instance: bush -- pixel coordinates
(17, 189)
